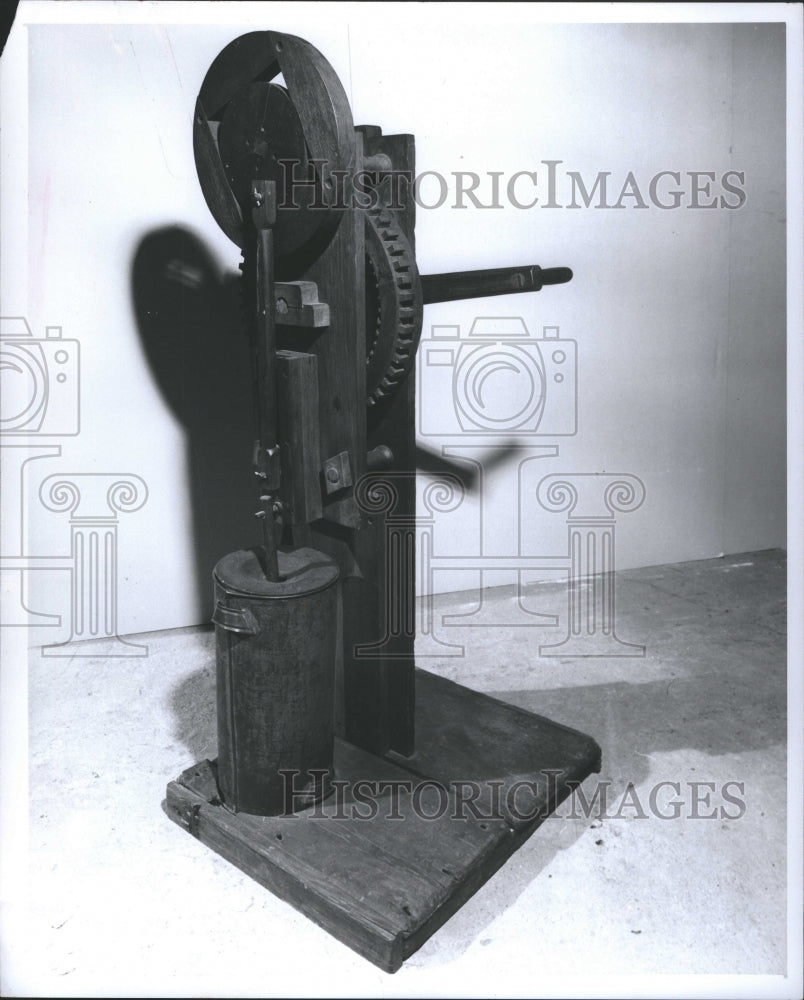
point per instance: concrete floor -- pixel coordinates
(123, 902)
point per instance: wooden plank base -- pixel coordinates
(403, 842)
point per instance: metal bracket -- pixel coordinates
(337, 473)
(263, 212)
(267, 465)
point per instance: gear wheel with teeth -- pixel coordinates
(393, 305)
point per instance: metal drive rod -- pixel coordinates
(494, 281)
(266, 457)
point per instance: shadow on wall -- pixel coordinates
(188, 316)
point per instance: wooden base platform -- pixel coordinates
(403, 842)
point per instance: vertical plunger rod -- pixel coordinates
(266, 457)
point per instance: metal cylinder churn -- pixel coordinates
(275, 680)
